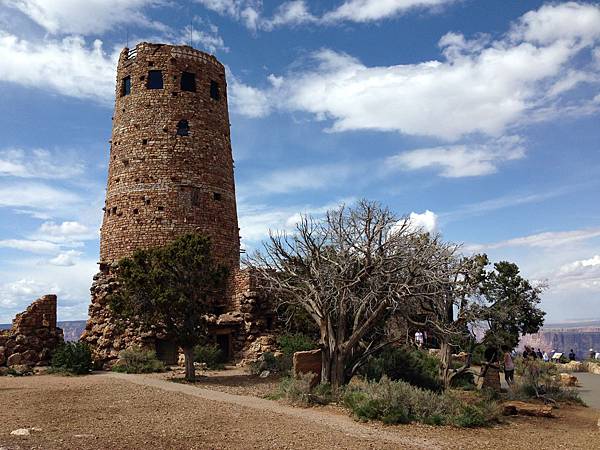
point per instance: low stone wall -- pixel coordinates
(33, 335)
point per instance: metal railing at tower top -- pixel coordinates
(131, 54)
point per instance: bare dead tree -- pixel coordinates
(350, 271)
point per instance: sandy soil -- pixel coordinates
(114, 411)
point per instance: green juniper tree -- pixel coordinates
(172, 287)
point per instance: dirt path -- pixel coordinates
(114, 411)
(339, 423)
(590, 388)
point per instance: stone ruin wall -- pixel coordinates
(33, 335)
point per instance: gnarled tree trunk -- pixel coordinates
(190, 370)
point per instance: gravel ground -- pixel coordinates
(114, 411)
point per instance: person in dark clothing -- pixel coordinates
(539, 354)
(572, 355)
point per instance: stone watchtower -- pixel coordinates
(170, 171)
(171, 167)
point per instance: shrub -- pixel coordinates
(400, 402)
(414, 366)
(137, 360)
(73, 358)
(298, 391)
(292, 343)
(211, 355)
(268, 361)
(538, 379)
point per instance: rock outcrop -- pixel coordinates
(33, 335)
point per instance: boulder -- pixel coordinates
(526, 409)
(308, 362)
(14, 359)
(568, 380)
(20, 370)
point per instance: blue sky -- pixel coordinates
(479, 119)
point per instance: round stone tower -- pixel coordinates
(170, 173)
(171, 167)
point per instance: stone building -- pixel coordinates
(171, 173)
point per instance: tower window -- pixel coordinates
(155, 79)
(188, 82)
(214, 90)
(217, 196)
(183, 128)
(125, 86)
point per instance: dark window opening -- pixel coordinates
(217, 196)
(174, 94)
(196, 197)
(125, 86)
(114, 210)
(155, 79)
(161, 208)
(144, 141)
(136, 211)
(188, 82)
(214, 90)
(183, 128)
(147, 201)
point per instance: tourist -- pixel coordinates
(526, 353)
(545, 357)
(509, 368)
(539, 354)
(572, 355)
(419, 339)
(592, 353)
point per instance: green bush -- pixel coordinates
(267, 361)
(211, 355)
(539, 379)
(414, 366)
(137, 360)
(400, 402)
(298, 391)
(73, 358)
(297, 342)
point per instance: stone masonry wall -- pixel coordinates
(33, 335)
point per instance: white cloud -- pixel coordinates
(67, 66)
(38, 199)
(295, 12)
(257, 220)
(34, 246)
(426, 221)
(19, 287)
(480, 86)
(84, 17)
(303, 178)
(579, 274)
(372, 10)
(460, 160)
(571, 21)
(547, 239)
(37, 163)
(203, 35)
(67, 258)
(68, 232)
(247, 100)
(289, 13)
